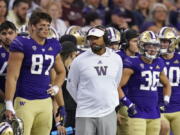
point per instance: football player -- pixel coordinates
(7, 35)
(170, 117)
(129, 48)
(142, 74)
(25, 30)
(68, 54)
(28, 75)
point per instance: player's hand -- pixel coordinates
(9, 114)
(62, 114)
(165, 104)
(163, 107)
(120, 118)
(61, 129)
(53, 90)
(132, 110)
(131, 106)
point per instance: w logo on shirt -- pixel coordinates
(101, 70)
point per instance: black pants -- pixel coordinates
(70, 118)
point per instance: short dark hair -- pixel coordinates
(7, 25)
(91, 16)
(37, 16)
(68, 47)
(17, 2)
(68, 37)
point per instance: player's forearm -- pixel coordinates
(60, 77)
(120, 92)
(52, 76)
(59, 98)
(167, 90)
(10, 88)
(166, 93)
(55, 107)
(13, 71)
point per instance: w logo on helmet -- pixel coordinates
(12, 127)
(5, 129)
(101, 70)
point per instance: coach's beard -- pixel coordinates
(96, 48)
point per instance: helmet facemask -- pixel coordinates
(149, 45)
(168, 49)
(150, 51)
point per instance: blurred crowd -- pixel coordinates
(139, 15)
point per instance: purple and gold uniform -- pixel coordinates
(32, 103)
(123, 128)
(172, 70)
(171, 114)
(143, 86)
(123, 56)
(142, 91)
(4, 55)
(34, 77)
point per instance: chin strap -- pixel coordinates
(152, 57)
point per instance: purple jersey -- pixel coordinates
(124, 56)
(142, 86)
(172, 70)
(4, 55)
(34, 78)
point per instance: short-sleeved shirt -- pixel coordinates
(124, 56)
(172, 70)
(34, 78)
(142, 86)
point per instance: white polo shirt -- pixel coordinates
(93, 81)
